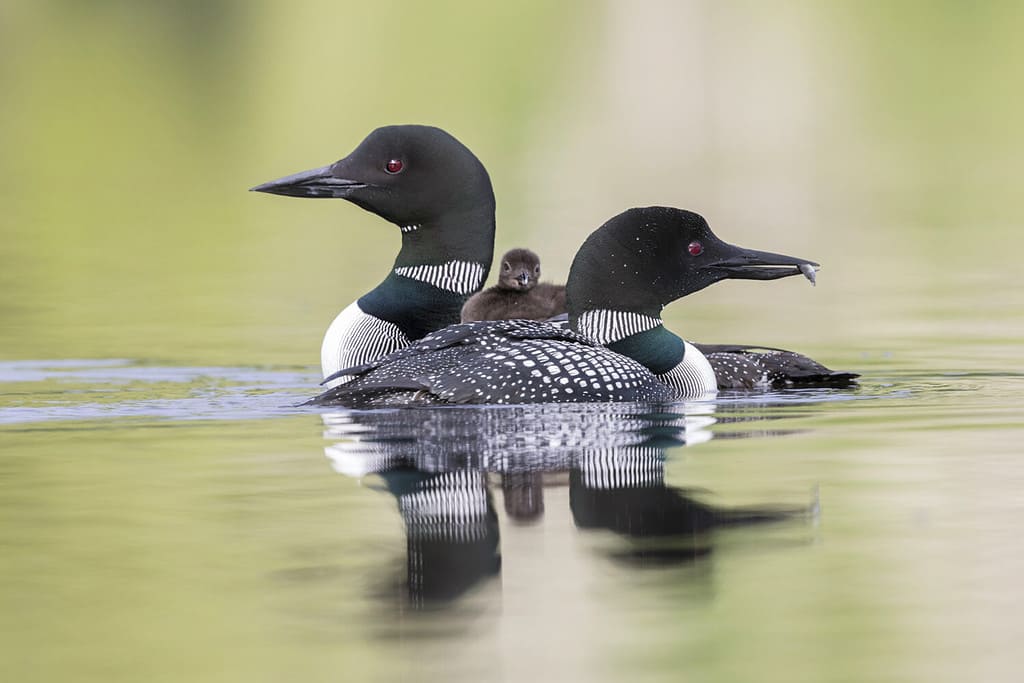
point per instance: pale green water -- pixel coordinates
(165, 516)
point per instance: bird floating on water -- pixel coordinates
(617, 349)
(439, 194)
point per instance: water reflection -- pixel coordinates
(445, 466)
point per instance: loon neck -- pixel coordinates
(659, 349)
(415, 306)
(608, 325)
(466, 235)
(640, 335)
(441, 264)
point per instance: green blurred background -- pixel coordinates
(882, 139)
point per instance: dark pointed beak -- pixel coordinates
(748, 264)
(316, 183)
(523, 279)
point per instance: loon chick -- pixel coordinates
(625, 273)
(518, 294)
(430, 185)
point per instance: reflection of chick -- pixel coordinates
(517, 295)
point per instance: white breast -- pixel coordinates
(355, 338)
(693, 377)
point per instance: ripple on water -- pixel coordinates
(34, 391)
(75, 390)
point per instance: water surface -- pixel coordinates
(182, 522)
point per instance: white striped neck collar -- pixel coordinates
(461, 277)
(606, 326)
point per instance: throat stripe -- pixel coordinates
(461, 277)
(605, 326)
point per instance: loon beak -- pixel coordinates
(523, 279)
(316, 183)
(748, 264)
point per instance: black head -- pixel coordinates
(409, 175)
(643, 259)
(520, 270)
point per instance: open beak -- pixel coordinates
(315, 183)
(748, 264)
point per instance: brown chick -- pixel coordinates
(518, 294)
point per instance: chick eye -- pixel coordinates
(695, 248)
(394, 166)
(536, 271)
(506, 267)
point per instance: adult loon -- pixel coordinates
(439, 194)
(518, 294)
(618, 349)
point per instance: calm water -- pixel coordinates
(166, 515)
(175, 523)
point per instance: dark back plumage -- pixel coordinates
(509, 361)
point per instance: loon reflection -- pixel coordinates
(441, 464)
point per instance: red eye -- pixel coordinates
(695, 248)
(394, 166)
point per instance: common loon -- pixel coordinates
(618, 349)
(439, 194)
(518, 294)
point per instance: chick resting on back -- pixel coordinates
(518, 294)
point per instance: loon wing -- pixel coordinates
(740, 366)
(735, 348)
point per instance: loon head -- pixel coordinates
(520, 270)
(409, 175)
(643, 259)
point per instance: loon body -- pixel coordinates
(439, 195)
(500, 362)
(618, 349)
(518, 294)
